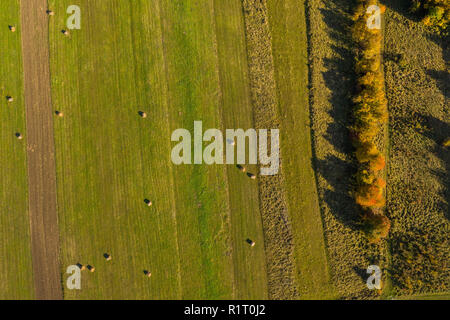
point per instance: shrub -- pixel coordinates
(375, 226)
(436, 13)
(371, 195)
(378, 163)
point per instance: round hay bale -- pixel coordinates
(143, 114)
(82, 267)
(9, 99)
(12, 28)
(107, 256)
(251, 176)
(251, 242)
(148, 202)
(90, 268)
(50, 13)
(241, 168)
(59, 114)
(19, 136)
(65, 32)
(147, 273)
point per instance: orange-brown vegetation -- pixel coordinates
(369, 114)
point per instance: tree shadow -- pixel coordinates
(402, 7)
(362, 273)
(339, 74)
(442, 78)
(439, 132)
(339, 80)
(337, 172)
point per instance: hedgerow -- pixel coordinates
(369, 115)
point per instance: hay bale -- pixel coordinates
(143, 114)
(59, 114)
(251, 242)
(82, 267)
(12, 28)
(65, 32)
(147, 273)
(241, 168)
(9, 99)
(148, 202)
(90, 268)
(251, 176)
(107, 257)
(19, 136)
(50, 12)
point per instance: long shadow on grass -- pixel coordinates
(438, 131)
(403, 7)
(442, 78)
(339, 79)
(337, 172)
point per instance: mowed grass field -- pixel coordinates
(16, 276)
(178, 61)
(289, 43)
(165, 59)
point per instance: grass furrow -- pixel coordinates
(109, 159)
(249, 263)
(16, 276)
(202, 202)
(288, 30)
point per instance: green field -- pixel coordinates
(109, 159)
(230, 64)
(16, 276)
(178, 63)
(289, 42)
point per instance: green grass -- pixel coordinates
(167, 60)
(288, 28)
(178, 62)
(108, 158)
(16, 276)
(249, 265)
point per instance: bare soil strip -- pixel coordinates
(40, 150)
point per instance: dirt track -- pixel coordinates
(40, 150)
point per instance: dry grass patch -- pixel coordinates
(332, 83)
(417, 192)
